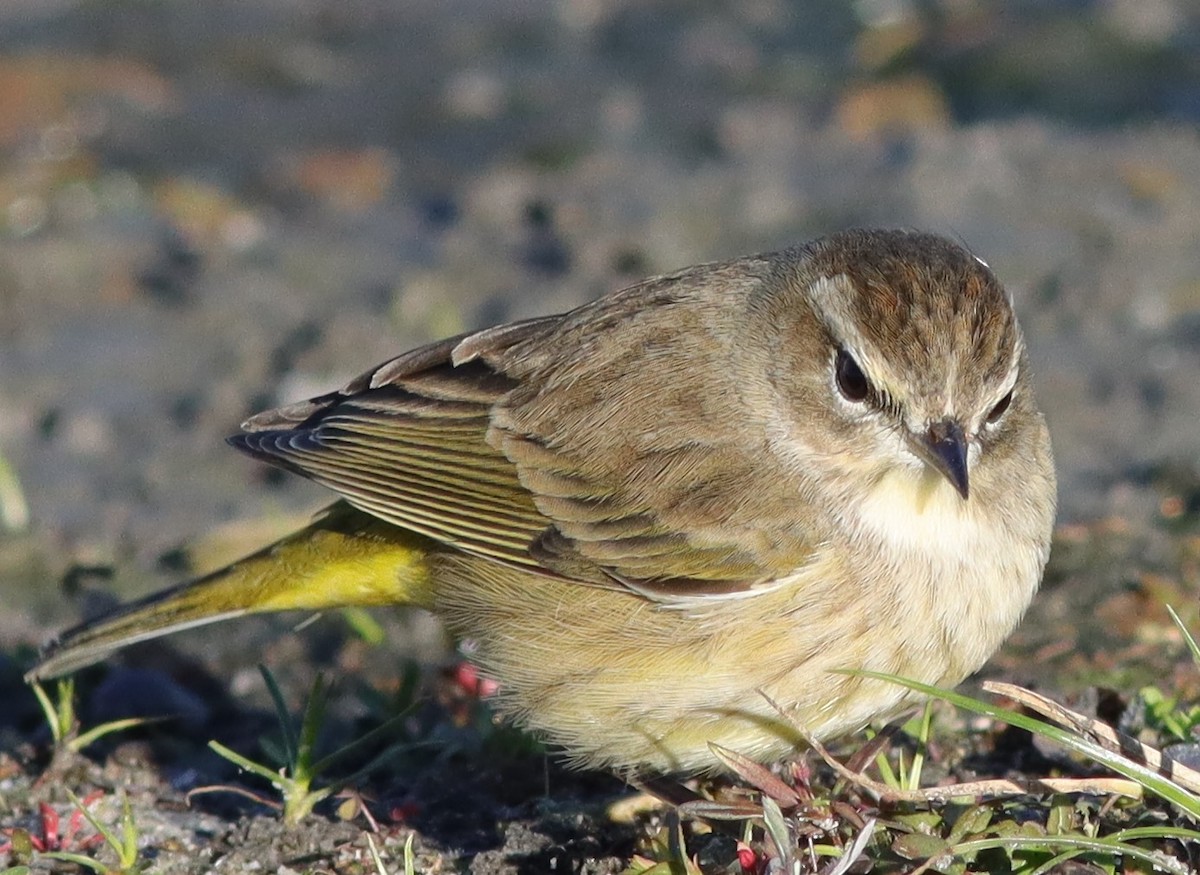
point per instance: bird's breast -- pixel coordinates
(954, 562)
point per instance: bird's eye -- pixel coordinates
(851, 381)
(1002, 405)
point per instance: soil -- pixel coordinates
(209, 209)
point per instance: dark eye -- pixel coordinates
(851, 381)
(1002, 405)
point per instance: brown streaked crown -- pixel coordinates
(926, 301)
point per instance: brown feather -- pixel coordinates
(530, 444)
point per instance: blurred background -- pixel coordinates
(211, 208)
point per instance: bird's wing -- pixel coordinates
(647, 446)
(562, 446)
(405, 442)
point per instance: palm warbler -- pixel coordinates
(667, 512)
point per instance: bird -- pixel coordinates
(686, 515)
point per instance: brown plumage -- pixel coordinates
(656, 512)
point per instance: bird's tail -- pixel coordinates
(344, 558)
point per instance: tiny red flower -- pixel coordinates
(468, 680)
(747, 858)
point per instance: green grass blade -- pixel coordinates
(98, 732)
(1187, 636)
(247, 765)
(310, 728)
(380, 731)
(1151, 780)
(1076, 846)
(291, 742)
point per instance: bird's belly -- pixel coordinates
(620, 682)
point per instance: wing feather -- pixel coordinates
(406, 443)
(543, 444)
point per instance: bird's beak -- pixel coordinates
(944, 446)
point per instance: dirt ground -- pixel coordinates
(209, 209)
